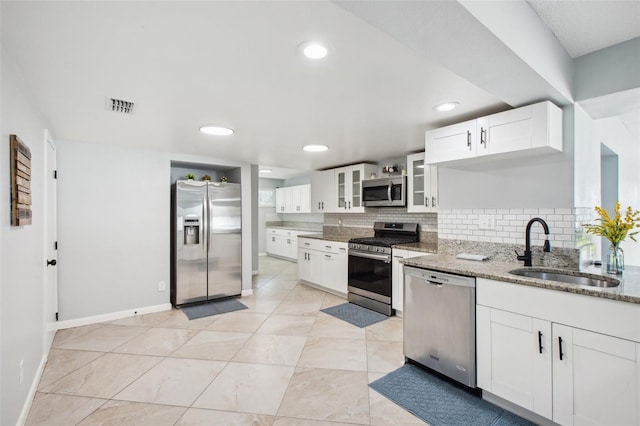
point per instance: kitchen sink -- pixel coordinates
(576, 278)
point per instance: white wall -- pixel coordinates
(266, 213)
(22, 264)
(587, 161)
(114, 227)
(613, 133)
(611, 70)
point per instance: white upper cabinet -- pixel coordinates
(455, 142)
(422, 185)
(293, 199)
(348, 187)
(527, 130)
(322, 191)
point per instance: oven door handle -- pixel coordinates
(384, 257)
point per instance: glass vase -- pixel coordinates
(615, 260)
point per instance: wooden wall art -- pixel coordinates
(20, 182)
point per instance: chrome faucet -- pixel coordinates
(527, 248)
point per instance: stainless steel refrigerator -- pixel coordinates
(206, 242)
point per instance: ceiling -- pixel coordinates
(186, 64)
(586, 26)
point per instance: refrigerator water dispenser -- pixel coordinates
(191, 231)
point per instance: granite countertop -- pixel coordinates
(295, 228)
(627, 291)
(336, 238)
(419, 246)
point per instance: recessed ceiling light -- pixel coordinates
(265, 170)
(215, 130)
(448, 106)
(315, 148)
(313, 50)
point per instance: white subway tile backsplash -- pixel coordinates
(510, 225)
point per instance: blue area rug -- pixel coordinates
(354, 314)
(440, 403)
(215, 307)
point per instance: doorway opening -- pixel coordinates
(608, 188)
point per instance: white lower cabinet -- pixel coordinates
(564, 373)
(514, 358)
(397, 276)
(283, 242)
(324, 264)
(597, 381)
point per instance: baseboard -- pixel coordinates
(32, 392)
(516, 409)
(113, 316)
(262, 254)
(256, 272)
(247, 292)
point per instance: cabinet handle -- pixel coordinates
(288, 241)
(469, 140)
(433, 201)
(483, 136)
(318, 205)
(540, 341)
(305, 256)
(349, 205)
(560, 347)
(426, 201)
(273, 239)
(307, 244)
(328, 256)
(323, 205)
(398, 257)
(328, 247)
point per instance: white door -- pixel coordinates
(596, 378)
(454, 142)
(514, 358)
(50, 249)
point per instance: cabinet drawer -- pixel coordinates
(614, 318)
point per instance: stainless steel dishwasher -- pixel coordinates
(440, 322)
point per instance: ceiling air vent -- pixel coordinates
(119, 105)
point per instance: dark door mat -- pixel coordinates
(215, 307)
(354, 314)
(437, 402)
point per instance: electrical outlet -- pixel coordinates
(21, 371)
(487, 221)
(162, 286)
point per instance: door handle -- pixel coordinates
(560, 347)
(540, 341)
(52, 262)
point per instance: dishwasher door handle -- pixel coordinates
(434, 283)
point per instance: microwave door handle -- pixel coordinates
(389, 190)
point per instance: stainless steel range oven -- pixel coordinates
(370, 277)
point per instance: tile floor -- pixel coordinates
(281, 362)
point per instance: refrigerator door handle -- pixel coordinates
(204, 231)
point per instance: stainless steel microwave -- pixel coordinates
(385, 192)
